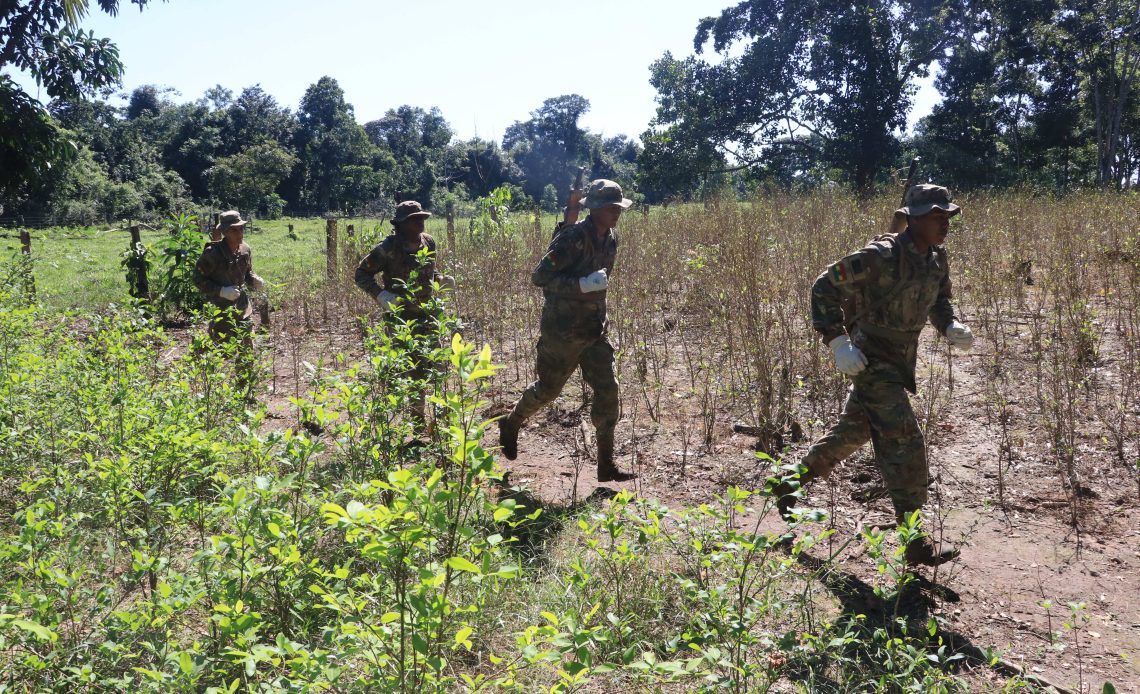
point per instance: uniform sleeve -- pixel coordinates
(942, 310)
(838, 282)
(372, 264)
(203, 271)
(551, 273)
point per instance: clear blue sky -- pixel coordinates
(485, 65)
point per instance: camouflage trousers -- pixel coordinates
(558, 356)
(878, 410)
(421, 366)
(229, 325)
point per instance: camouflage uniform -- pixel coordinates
(573, 328)
(395, 264)
(219, 267)
(895, 290)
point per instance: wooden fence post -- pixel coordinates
(451, 225)
(139, 284)
(331, 246)
(29, 278)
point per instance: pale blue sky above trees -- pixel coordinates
(485, 65)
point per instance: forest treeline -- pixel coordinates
(790, 94)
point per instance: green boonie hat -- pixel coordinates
(229, 218)
(604, 192)
(409, 209)
(924, 197)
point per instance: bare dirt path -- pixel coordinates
(1022, 562)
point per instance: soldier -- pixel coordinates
(574, 275)
(394, 259)
(896, 284)
(224, 273)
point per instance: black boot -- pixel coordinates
(787, 486)
(923, 551)
(509, 437)
(607, 471)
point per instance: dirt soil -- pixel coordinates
(1018, 551)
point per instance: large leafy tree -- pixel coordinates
(332, 148)
(486, 167)
(44, 39)
(248, 180)
(830, 78)
(550, 144)
(1104, 36)
(419, 142)
(993, 89)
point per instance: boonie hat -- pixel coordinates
(924, 197)
(229, 218)
(409, 209)
(604, 192)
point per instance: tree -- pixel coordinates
(255, 117)
(328, 139)
(1106, 35)
(419, 142)
(486, 167)
(248, 180)
(44, 39)
(614, 158)
(671, 164)
(831, 78)
(550, 145)
(146, 100)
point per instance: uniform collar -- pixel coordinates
(591, 230)
(906, 240)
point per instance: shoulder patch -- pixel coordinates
(850, 269)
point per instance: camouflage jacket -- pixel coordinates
(574, 253)
(218, 267)
(395, 263)
(893, 291)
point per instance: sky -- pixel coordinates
(485, 65)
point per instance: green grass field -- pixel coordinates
(81, 267)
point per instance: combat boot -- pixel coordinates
(607, 471)
(509, 437)
(784, 490)
(923, 551)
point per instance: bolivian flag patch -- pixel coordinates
(848, 270)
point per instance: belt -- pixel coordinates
(889, 333)
(590, 298)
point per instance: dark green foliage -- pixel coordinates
(178, 254)
(328, 139)
(826, 78)
(549, 146)
(44, 39)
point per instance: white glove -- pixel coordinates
(386, 298)
(958, 335)
(594, 282)
(256, 283)
(229, 293)
(447, 282)
(849, 359)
